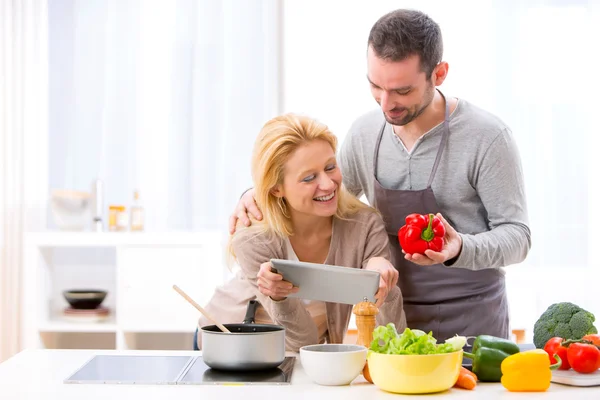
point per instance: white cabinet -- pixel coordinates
(137, 269)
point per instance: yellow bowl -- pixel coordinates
(409, 374)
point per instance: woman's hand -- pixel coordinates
(451, 249)
(388, 275)
(272, 284)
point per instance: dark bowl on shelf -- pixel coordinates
(82, 299)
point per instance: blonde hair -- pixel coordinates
(276, 142)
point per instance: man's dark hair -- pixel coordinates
(404, 33)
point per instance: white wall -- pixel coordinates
(162, 96)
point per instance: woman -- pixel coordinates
(308, 216)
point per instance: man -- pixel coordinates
(424, 153)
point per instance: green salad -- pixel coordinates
(412, 341)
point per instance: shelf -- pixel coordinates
(113, 239)
(137, 268)
(58, 324)
(191, 328)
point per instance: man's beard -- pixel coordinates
(417, 110)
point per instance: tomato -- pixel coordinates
(583, 357)
(593, 337)
(552, 347)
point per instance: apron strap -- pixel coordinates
(376, 154)
(445, 134)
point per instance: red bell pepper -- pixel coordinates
(420, 233)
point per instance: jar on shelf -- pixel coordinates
(117, 219)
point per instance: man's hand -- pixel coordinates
(388, 274)
(452, 247)
(272, 284)
(246, 205)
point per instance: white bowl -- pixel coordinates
(71, 209)
(333, 364)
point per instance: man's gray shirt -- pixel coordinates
(478, 185)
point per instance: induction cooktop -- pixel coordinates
(200, 374)
(172, 370)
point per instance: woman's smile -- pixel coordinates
(326, 199)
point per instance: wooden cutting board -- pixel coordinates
(573, 378)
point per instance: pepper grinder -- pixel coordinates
(365, 312)
(98, 191)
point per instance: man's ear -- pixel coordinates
(440, 72)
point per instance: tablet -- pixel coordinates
(329, 282)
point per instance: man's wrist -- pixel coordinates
(452, 260)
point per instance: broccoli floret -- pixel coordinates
(543, 330)
(563, 313)
(565, 320)
(563, 330)
(582, 324)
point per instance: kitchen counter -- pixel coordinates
(39, 374)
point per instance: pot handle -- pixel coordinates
(251, 312)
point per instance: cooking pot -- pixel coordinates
(249, 346)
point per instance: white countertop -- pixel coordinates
(39, 374)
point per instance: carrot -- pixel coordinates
(366, 373)
(466, 379)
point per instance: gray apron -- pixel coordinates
(446, 301)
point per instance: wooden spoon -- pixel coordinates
(199, 308)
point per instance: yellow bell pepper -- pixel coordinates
(528, 371)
